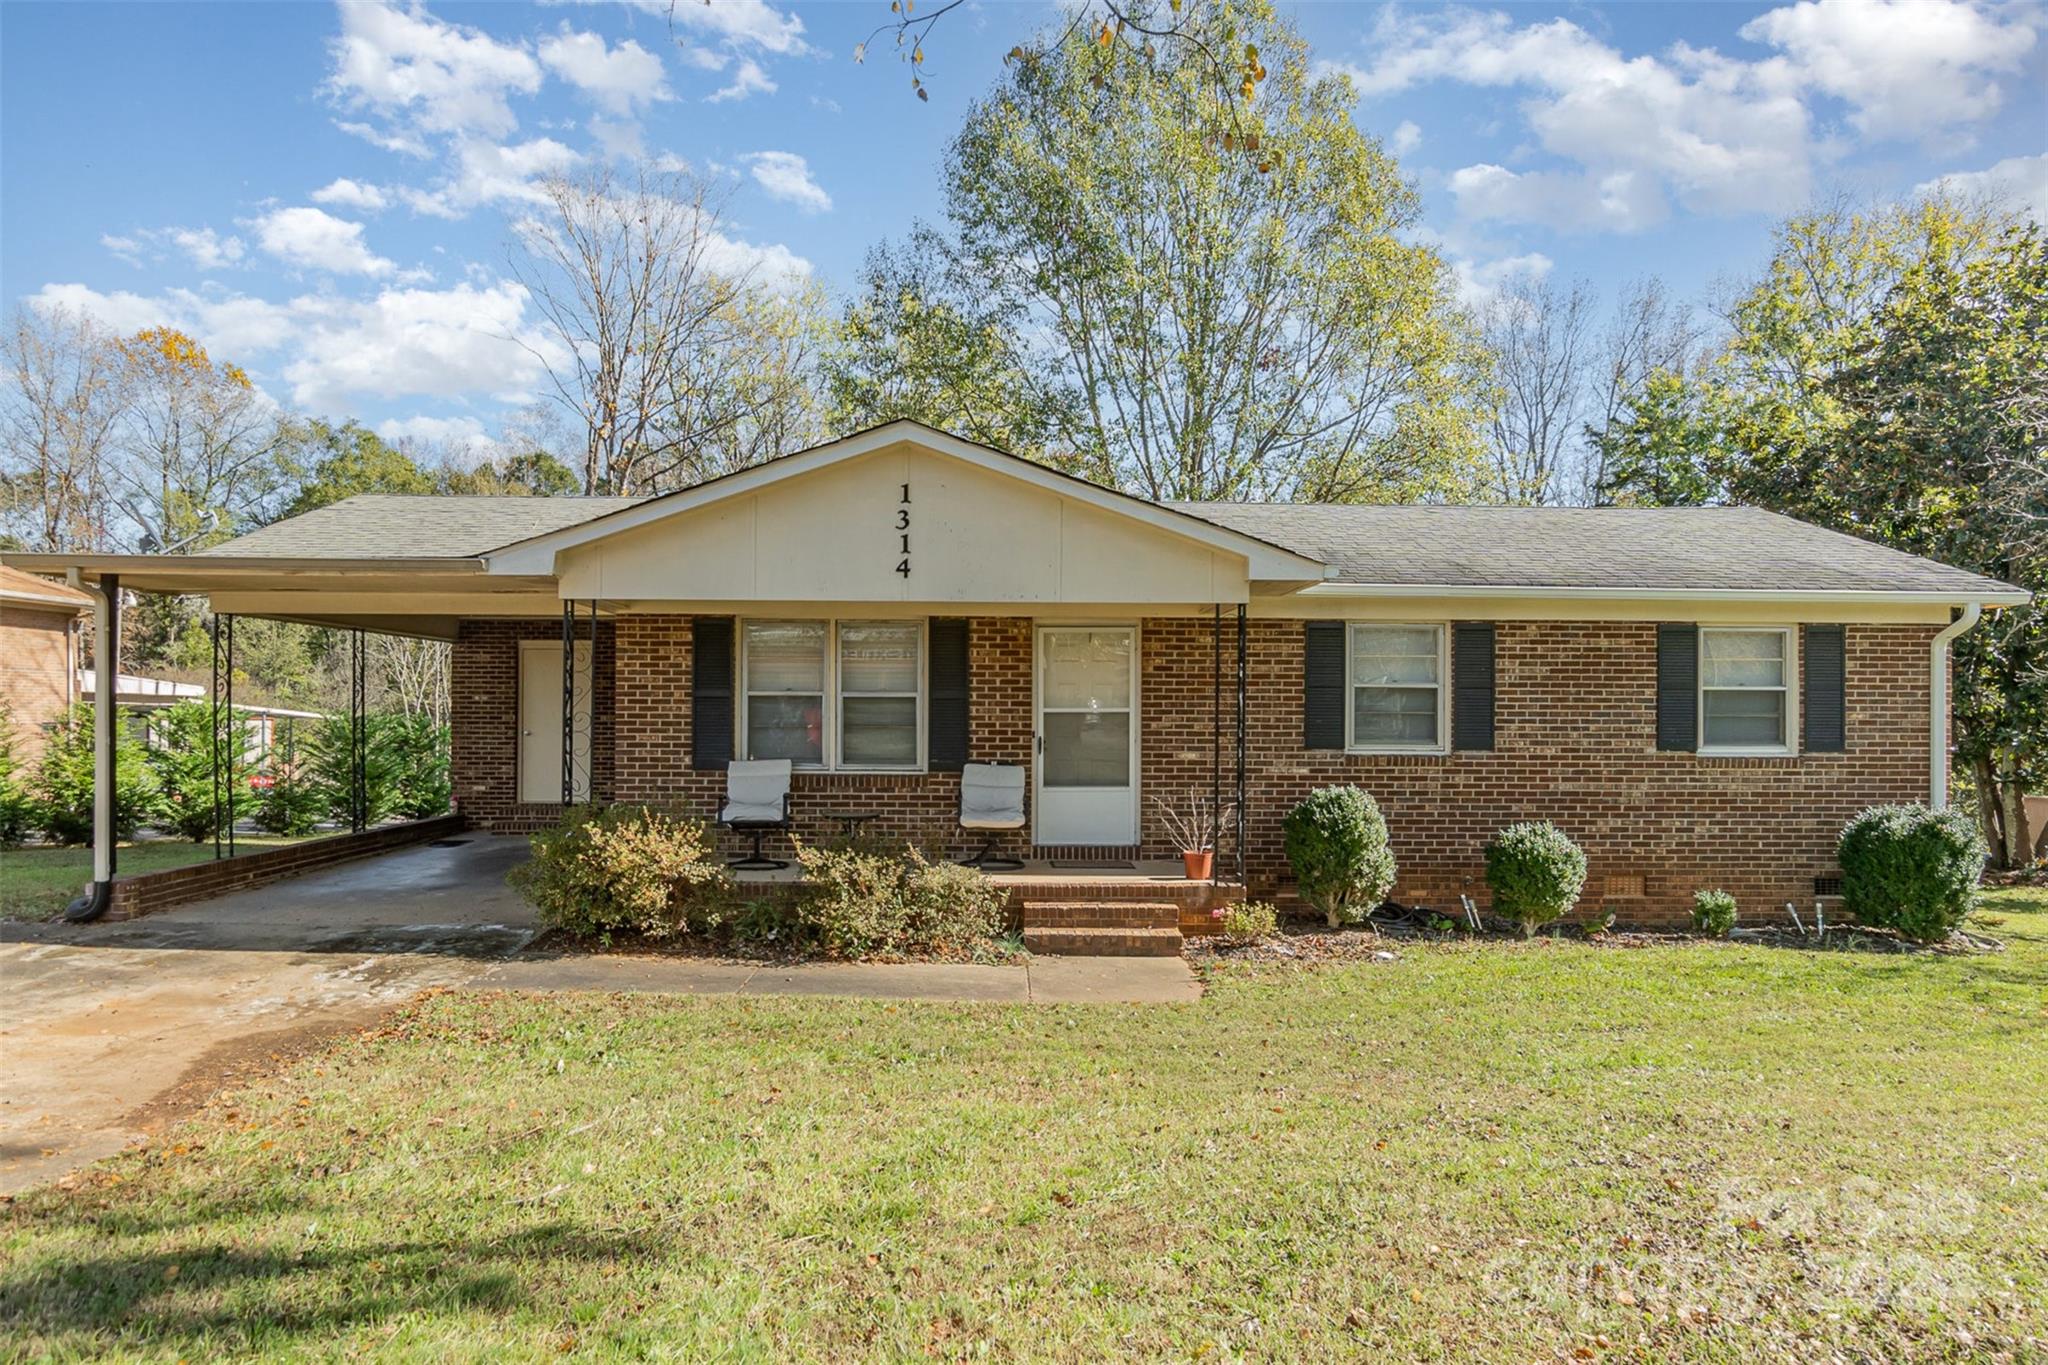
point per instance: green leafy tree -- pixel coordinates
(336, 462)
(1223, 281)
(421, 746)
(535, 473)
(189, 744)
(66, 776)
(17, 804)
(332, 766)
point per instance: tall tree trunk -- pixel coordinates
(2019, 840)
(1988, 814)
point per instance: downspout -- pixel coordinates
(106, 595)
(1937, 710)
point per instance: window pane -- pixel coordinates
(878, 732)
(1088, 749)
(790, 727)
(1743, 719)
(878, 656)
(785, 656)
(1088, 668)
(1393, 654)
(1394, 715)
(1742, 658)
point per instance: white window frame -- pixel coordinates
(833, 697)
(1443, 690)
(1788, 742)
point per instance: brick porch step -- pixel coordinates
(1096, 941)
(1101, 914)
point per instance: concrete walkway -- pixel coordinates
(1042, 981)
(107, 1031)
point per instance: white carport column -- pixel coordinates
(106, 663)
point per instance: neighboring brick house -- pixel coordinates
(1698, 696)
(38, 654)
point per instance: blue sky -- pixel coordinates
(323, 193)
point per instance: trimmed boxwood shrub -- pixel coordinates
(1536, 873)
(1337, 845)
(1911, 869)
(1713, 912)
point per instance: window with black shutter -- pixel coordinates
(946, 736)
(1322, 711)
(1823, 707)
(1678, 682)
(1472, 685)
(711, 692)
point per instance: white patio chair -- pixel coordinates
(756, 802)
(991, 799)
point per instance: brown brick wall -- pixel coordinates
(483, 695)
(35, 671)
(1575, 743)
(1575, 737)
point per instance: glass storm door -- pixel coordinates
(1087, 735)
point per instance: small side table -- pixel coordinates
(850, 821)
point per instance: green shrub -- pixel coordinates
(622, 869)
(293, 803)
(182, 757)
(1536, 873)
(330, 763)
(17, 804)
(64, 780)
(421, 747)
(856, 903)
(1336, 841)
(1713, 912)
(1250, 922)
(1911, 869)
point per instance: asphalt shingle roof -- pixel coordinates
(1530, 547)
(1585, 547)
(417, 526)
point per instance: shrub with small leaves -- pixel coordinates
(64, 781)
(17, 806)
(1713, 912)
(857, 902)
(1536, 873)
(200, 792)
(1336, 841)
(1911, 869)
(623, 869)
(1250, 922)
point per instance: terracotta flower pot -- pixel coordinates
(1199, 863)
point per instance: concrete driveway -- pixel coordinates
(108, 1029)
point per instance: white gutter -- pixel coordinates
(1937, 708)
(1843, 595)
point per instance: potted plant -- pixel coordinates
(1193, 826)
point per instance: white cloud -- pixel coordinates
(1405, 138)
(739, 23)
(445, 78)
(487, 173)
(317, 239)
(1479, 282)
(435, 430)
(353, 194)
(405, 144)
(747, 79)
(1906, 67)
(416, 343)
(774, 265)
(2020, 180)
(203, 247)
(787, 176)
(1624, 201)
(618, 79)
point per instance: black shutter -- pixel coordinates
(1825, 718)
(1472, 685)
(1678, 687)
(1322, 691)
(711, 692)
(945, 716)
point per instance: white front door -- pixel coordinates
(540, 721)
(1087, 735)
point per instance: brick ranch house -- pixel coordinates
(38, 656)
(1700, 697)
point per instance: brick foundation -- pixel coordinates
(1574, 733)
(145, 893)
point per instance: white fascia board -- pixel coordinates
(1264, 561)
(1847, 596)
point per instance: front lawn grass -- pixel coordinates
(1498, 1151)
(35, 883)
